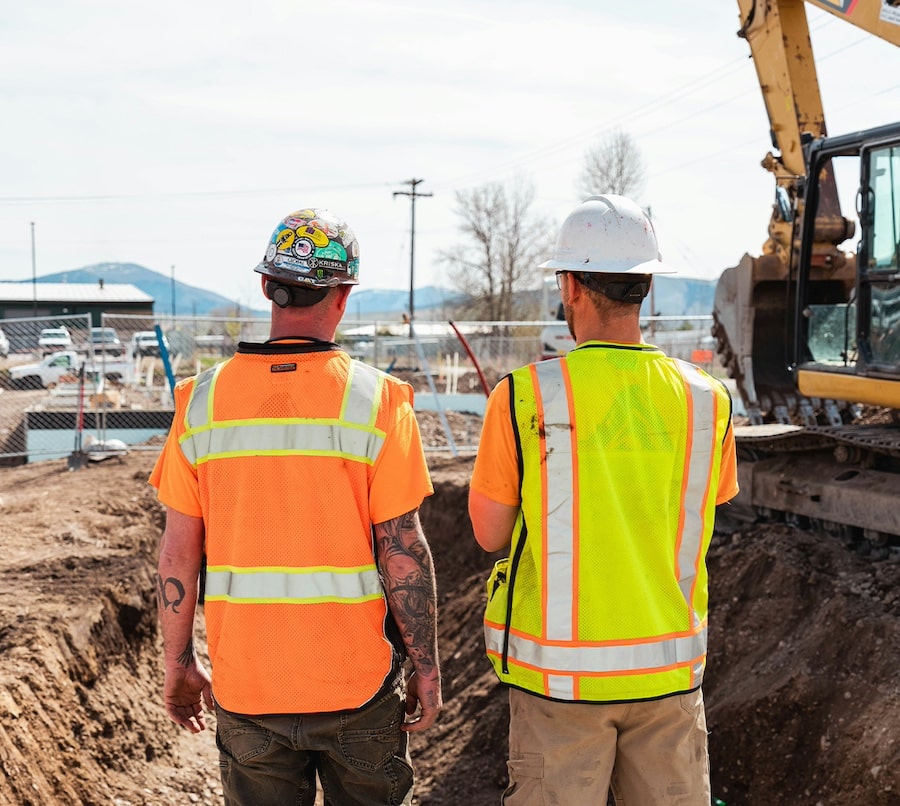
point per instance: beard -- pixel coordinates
(570, 319)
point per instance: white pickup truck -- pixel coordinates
(66, 364)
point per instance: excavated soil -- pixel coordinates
(802, 689)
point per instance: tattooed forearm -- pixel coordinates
(186, 658)
(406, 568)
(171, 593)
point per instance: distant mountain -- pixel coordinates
(371, 301)
(672, 296)
(189, 300)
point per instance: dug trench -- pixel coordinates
(802, 691)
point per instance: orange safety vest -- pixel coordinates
(604, 597)
(296, 614)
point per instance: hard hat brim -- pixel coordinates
(609, 266)
(294, 278)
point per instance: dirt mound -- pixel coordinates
(802, 692)
(802, 686)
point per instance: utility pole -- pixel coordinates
(173, 296)
(413, 195)
(33, 275)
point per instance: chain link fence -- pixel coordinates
(68, 389)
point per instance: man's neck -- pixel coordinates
(622, 331)
(299, 329)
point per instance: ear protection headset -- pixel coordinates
(281, 295)
(286, 295)
(621, 290)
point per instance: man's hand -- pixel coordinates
(186, 691)
(423, 702)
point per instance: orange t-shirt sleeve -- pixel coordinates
(728, 484)
(173, 476)
(400, 479)
(496, 470)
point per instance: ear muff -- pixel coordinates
(626, 292)
(285, 296)
(281, 295)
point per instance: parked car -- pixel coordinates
(65, 365)
(53, 339)
(4, 345)
(106, 340)
(144, 342)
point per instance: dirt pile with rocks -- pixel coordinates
(802, 689)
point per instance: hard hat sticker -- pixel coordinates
(314, 233)
(303, 247)
(284, 239)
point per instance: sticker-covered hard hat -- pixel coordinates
(312, 247)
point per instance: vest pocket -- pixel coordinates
(497, 591)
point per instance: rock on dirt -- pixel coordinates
(802, 689)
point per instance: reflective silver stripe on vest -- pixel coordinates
(362, 394)
(552, 397)
(698, 469)
(201, 397)
(352, 436)
(196, 440)
(625, 658)
(561, 687)
(292, 585)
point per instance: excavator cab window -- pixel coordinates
(831, 333)
(829, 302)
(880, 254)
(883, 234)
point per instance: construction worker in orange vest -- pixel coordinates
(299, 472)
(600, 471)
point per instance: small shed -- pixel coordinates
(19, 300)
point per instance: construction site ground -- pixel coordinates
(802, 688)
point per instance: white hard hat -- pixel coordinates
(608, 234)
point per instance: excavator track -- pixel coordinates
(841, 481)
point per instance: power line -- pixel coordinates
(189, 194)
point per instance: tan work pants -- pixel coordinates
(652, 752)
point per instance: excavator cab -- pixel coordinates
(846, 344)
(811, 328)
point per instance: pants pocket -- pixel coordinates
(692, 702)
(239, 738)
(371, 737)
(526, 775)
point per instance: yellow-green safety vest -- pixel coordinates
(604, 595)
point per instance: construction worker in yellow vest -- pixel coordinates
(299, 471)
(600, 472)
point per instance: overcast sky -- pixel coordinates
(178, 134)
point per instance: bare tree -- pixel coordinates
(613, 165)
(500, 249)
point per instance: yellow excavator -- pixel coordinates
(810, 329)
